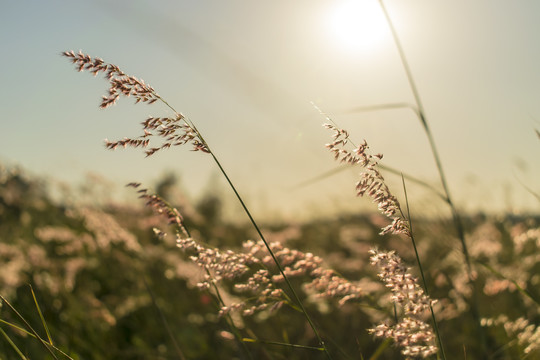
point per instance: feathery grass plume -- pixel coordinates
(254, 273)
(233, 266)
(174, 131)
(371, 180)
(263, 283)
(456, 216)
(161, 207)
(320, 281)
(120, 82)
(372, 183)
(166, 128)
(252, 270)
(411, 333)
(164, 209)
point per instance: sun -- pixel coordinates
(358, 25)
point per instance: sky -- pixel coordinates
(247, 73)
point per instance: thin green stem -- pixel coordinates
(421, 115)
(283, 344)
(46, 345)
(516, 284)
(381, 166)
(8, 339)
(409, 219)
(378, 352)
(230, 321)
(185, 230)
(455, 214)
(34, 336)
(41, 316)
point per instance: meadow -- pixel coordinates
(170, 280)
(166, 278)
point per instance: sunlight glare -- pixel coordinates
(358, 25)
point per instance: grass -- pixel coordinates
(89, 278)
(160, 282)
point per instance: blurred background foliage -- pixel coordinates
(110, 289)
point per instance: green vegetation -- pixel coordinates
(168, 280)
(109, 288)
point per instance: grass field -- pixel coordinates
(166, 279)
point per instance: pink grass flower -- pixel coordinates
(411, 333)
(174, 131)
(371, 181)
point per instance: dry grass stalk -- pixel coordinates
(252, 270)
(175, 131)
(371, 180)
(411, 333)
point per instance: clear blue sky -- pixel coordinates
(245, 73)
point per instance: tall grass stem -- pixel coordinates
(230, 322)
(10, 342)
(455, 214)
(41, 316)
(27, 324)
(435, 324)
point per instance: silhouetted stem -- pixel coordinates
(435, 325)
(455, 214)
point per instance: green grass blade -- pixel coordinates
(41, 316)
(378, 352)
(19, 352)
(230, 323)
(520, 289)
(34, 336)
(29, 327)
(391, 170)
(435, 324)
(387, 106)
(17, 327)
(278, 343)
